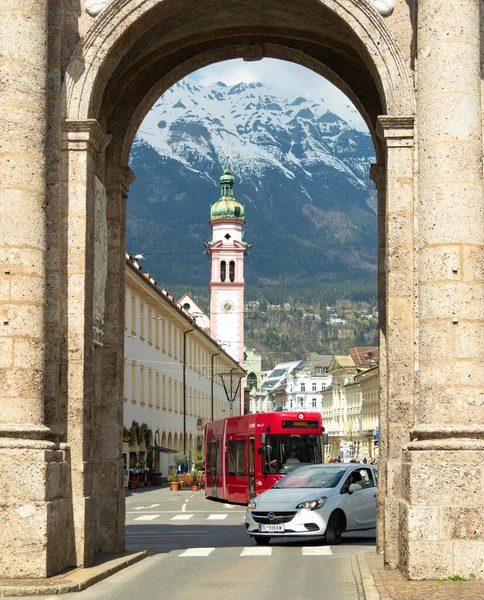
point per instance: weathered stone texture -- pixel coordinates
(61, 92)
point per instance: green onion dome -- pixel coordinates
(227, 207)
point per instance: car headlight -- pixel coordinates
(312, 504)
(251, 505)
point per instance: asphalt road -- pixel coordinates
(199, 549)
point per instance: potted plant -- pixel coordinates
(178, 459)
(133, 481)
(198, 460)
(141, 470)
(174, 481)
(195, 483)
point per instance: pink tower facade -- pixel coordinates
(227, 251)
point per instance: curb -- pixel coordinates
(369, 588)
(74, 581)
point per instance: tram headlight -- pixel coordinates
(251, 505)
(313, 504)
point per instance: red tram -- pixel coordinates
(246, 455)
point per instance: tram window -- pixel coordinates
(236, 457)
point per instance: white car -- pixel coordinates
(315, 500)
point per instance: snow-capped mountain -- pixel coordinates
(301, 171)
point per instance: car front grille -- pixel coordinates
(278, 518)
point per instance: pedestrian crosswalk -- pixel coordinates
(183, 517)
(256, 551)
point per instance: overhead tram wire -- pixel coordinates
(272, 250)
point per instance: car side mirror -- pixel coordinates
(354, 487)
(325, 439)
(262, 438)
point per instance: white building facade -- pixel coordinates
(172, 373)
(351, 409)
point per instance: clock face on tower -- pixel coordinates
(227, 306)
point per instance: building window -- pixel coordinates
(290, 404)
(149, 324)
(150, 387)
(319, 370)
(133, 315)
(142, 398)
(314, 402)
(142, 320)
(157, 384)
(252, 381)
(236, 457)
(133, 382)
(223, 267)
(303, 387)
(314, 386)
(232, 270)
(301, 402)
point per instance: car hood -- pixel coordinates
(287, 498)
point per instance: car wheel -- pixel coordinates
(262, 541)
(335, 528)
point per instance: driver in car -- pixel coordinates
(354, 477)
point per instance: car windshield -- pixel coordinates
(310, 477)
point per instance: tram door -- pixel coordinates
(251, 463)
(214, 466)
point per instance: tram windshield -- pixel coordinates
(283, 453)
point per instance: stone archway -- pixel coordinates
(124, 64)
(68, 325)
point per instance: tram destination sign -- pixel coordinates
(299, 424)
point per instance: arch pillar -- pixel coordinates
(83, 199)
(35, 488)
(109, 373)
(442, 511)
(397, 323)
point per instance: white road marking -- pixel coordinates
(158, 534)
(216, 517)
(183, 517)
(145, 507)
(197, 552)
(146, 518)
(316, 551)
(184, 507)
(255, 551)
(230, 505)
(168, 512)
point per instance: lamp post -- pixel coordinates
(212, 378)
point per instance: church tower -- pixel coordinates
(227, 251)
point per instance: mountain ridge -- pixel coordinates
(301, 172)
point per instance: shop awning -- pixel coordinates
(162, 449)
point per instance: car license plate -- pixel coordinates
(271, 528)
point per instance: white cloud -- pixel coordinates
(290, 78)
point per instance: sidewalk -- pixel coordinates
(73, 580)
(380, 584)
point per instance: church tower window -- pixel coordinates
(222, 271)
(232, 270)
